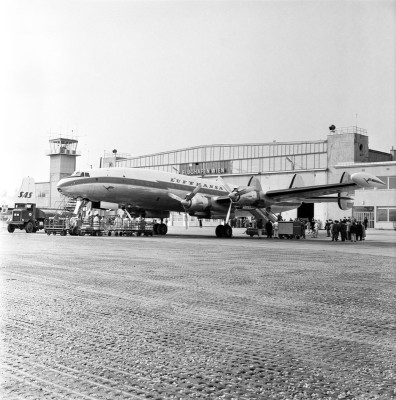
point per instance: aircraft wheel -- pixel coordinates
(227, 231)
(220, 231)
(29, 227)
(162, 229)
(10, 228)
(156, 228)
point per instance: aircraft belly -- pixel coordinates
(136, 196)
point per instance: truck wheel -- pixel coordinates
(29, 227)
(10, 228)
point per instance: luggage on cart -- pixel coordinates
(56, 225)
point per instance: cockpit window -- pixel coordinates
(79, 173)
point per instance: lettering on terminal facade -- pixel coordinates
(203, 171)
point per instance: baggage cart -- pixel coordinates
(130, 228)
(56, 225)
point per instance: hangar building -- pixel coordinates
(275, 163)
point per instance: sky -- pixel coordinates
(151, 76)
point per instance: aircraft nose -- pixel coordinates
(62, 185)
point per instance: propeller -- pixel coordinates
(186, 202)
(239, 191)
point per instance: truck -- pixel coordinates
(28, 217)
(291, 229)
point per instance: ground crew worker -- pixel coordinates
(276, 229)
(268, 228)
(96, 223)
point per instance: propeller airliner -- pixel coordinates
(154, 194)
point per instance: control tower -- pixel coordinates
(63, 154)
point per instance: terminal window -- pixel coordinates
(386, 214)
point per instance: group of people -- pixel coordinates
(271, 228)
(346, 229)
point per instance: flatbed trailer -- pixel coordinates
(131, 228)
(254, 231)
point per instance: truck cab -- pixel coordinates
(26, 216)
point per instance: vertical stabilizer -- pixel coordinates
(254, 181)
(296, 182)
(27, 191)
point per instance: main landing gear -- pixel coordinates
(223, 231)
(160, 229)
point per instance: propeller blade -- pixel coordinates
(193, 193)
(228, 213)
(186, 219)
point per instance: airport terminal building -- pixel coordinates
(275, 163)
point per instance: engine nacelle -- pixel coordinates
(247, 199)
(197, 203)
(367, 180)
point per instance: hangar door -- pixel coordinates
(306, 211)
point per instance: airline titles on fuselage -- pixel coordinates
(204, 185)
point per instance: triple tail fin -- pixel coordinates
(254, 181)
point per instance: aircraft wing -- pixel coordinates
(313, 193)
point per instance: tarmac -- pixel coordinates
(192, 316)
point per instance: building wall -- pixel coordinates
(376, 199)
(378, 156)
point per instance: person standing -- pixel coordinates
(276, 229)
(327, 227)
(259, 228)
(343, 230)
(353, 231)
(268, 228)
(96, 224)
(348, 229)
(335, 230)
(359, 231)
(365, 223)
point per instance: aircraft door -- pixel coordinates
(306, 211)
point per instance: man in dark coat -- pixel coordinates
(359, 231)
(268, 228)
(343, 230)
(335, 231)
